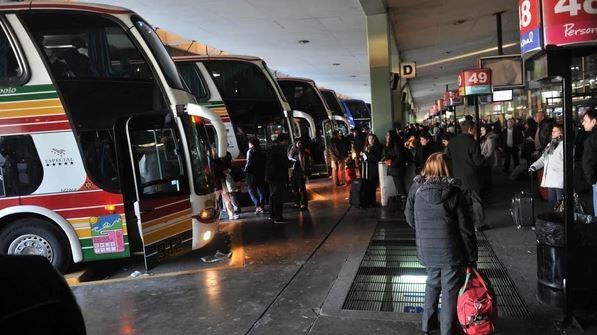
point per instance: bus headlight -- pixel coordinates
(206, 216)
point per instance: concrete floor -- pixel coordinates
(283, 283)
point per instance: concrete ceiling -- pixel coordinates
(271, 29)
(428, 31)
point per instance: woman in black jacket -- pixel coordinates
(372, 154)
(397, 157)
(446, 240)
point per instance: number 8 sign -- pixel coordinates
(529, 18)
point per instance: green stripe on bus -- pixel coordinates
(28, 97)
(26, 89)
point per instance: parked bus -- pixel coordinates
(357, 111)
(333, 102)
(242, 91)
(101, 152)
(304, 97)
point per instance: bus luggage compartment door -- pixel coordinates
(162, 203)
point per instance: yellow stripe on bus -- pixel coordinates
(169, 217)
(36, 111)
(159, 235)
(30, 103)
(220, 111)
(83, 227)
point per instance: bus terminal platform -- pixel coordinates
(332, 269)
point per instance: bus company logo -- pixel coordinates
(8, 90)
(59, 158)
(59, 152)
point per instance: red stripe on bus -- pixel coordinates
(9, 202)
(73, 200)
(35, 128)
(81, 7)
(83, 213)
(156, 213)
(33, 119)
(20, 6)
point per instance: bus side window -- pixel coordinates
(21, 170)
(11, 70)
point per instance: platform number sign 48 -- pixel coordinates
(573, 7)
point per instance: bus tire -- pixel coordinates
(33, 236)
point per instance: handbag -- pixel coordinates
(580, 210)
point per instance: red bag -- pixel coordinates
(476, 305)
(542, 191)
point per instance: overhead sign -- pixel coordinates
(408, 70)
(507, 71)
(476, 81)
(529, 19)
(440, 104)
(567, 22)
(452, 98)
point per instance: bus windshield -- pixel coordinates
(358, 109)
(254, 107)
(303, 97)
(330, 99)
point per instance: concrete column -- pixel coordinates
(398, 108)
(378, 43)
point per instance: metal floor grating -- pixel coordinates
(390, 278)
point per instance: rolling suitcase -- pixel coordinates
(362, 194)
(522, 209)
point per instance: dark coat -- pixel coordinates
(438, 211)
(255, 167)
(360, 141)
(277, 164)
(400, 157)
(545, 128)
(465, 159)
(374, 155)
(422, 153)
(517, 137)
(589, 158)
(338, 150)
(298, 171)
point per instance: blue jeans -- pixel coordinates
(446, 281)
(553, 195)
(257, 194)
(595, 200)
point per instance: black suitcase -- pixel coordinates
(362, 193)
(522, 209)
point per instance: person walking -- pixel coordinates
(255, 169)
(300, 172)
(338, 153)
(552, 163)
(445, 238)
(372, 154)
(589, 157)
(397, 158)
(423, 150)
(276, 175)
(542, 132)
(511, 138)
(489, 145)
(466, 158)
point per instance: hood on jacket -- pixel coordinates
(436, 190)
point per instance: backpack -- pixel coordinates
(476, 305)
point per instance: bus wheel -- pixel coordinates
(33, 236)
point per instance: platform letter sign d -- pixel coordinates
(408, 70)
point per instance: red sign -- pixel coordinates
(447, 98)
(461, 83)
(455, 99)
(440, 104)
(529, 20)
(568, 22)
(476, 81)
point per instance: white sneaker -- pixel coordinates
(235, 217)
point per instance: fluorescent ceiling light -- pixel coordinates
(474, 53)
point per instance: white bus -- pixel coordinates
(101, 149)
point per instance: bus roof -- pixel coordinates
(45, 5)
(306, 80)
(197, 58)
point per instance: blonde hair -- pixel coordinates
(436, 166)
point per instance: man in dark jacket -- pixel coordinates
(338, 154)
(466, 158)
(589, 157)
(511, 137)
(542, 135)
(300, 172)
(446, 243)
(276, 175)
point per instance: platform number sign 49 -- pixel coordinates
(476, 81)
(478, 78)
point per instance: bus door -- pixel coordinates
(162, 203)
